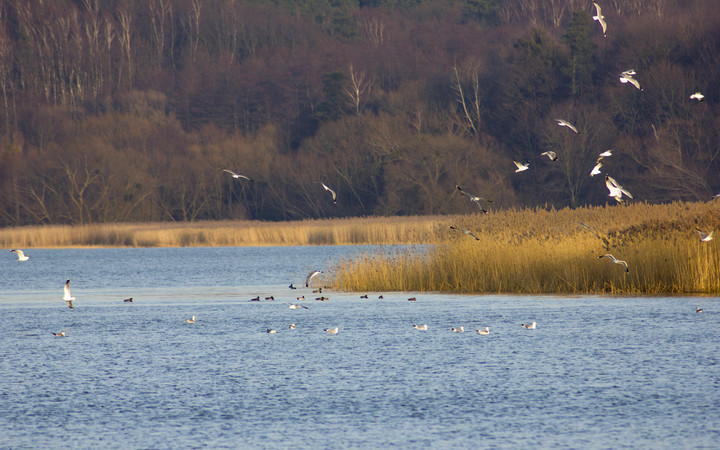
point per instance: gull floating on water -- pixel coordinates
(704, 237)
(614, 260)
(485, 331)
(291, 326)
(600, 18)
(271, 331)
(60, 334)
(565, 123)
(697, 96)
(616, 191)
(310, 276)
(458, 330)
(550, 154)
(468, 232)
(521, 167)
(334, 196)
(421, 327)
(296, 306)
(20, 255)
(67, 297)
(475, 199)
(237, 175)
(334, 330)
(596, 170)
(627, 77)
(190, 320)
(529, 326)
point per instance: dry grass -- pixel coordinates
(551, 252)
(382, 230)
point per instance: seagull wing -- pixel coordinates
(334, 196)
(310, 277)
(596, 170)
(230, 172)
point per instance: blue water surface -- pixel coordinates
(598, 372)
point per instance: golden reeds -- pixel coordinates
(556, 252)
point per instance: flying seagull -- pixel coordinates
(600, 18)
(522, 167)
(485, 331)
(605, 154)
(565, 123)
(311, 275)
(596, 169)
(334, 196)
(614, 260)
(697, 96)
(475, 199)
(20, 255)
(704, 237)
(237, 176)
(616, 191)
(627, 77)
(550, 154)
(529, 326)
(67, 297)
(296, 306)
(468, 232)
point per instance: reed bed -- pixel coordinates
(538, 251)
(378, 230)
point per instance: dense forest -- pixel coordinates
(129, 110)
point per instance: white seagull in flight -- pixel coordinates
(565, 123)
(296, 306)
(237, 175)
(616, 191)
(311, 275)
(614, 260)
(67, 297)
(334, 196)
(550, 154)
(21, 256)
(627, 77)
(600, 18)
(704, 237)
(596, 169)
(697, 96)
(522, 167)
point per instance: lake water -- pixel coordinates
(598, 372)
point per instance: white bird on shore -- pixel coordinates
(334, 196)
(421, 327)
(312, 275)
(697, 96)
(483, 332)
(334, 330)
(296, 306)
(190, 320)
(237, 176)
(600, 18)
(616, 191)
(704, 237)
(614, 260)
(475, 199)
(529, 326)
(550, 154)
(627, 77)
(522, 167)
(67, 297)
(20, 255)
(467, 232)
(565, 123)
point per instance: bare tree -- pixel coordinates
(359, 88)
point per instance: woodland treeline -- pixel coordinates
(129, 110)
